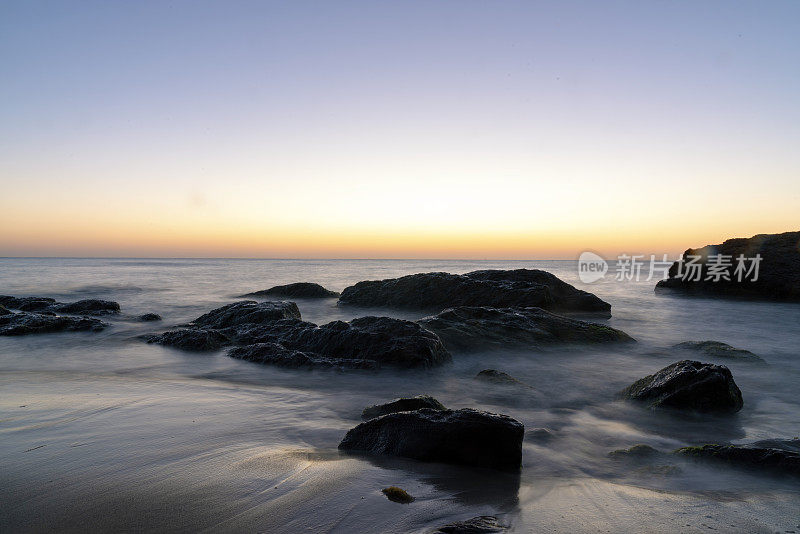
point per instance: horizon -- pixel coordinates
(418, 131)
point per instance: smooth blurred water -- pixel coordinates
(102, 431)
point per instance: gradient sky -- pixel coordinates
(437, 129)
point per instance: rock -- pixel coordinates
(395, 494)
(299, 290)
(778, 273)
(88, 306)
(276, 354)
(689, 385)
(717, 349)
(538, 435)
(747, 456)
(494, 376)
(792, 445)
(192, 339)
(26, 303)
(479, 328)
(485, 524)
(147, 317)
(466, 437)
(24, 323)
(405, 404)
(498, 289)
(637, 452)
(247, 312)
(4, 310)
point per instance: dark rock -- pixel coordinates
(499, 289)
(466, 437)
(395, 494)
(689, 385)
(717, 349)
(247, 312)
(792, 445)
(24, 323)
(747, 456)
(4, 310)
(475, 328)
(778, 274)
(637, 452)
(147, 317)
(276, 354)
(405, 404)
(494, 376)
(26, 303)
(192, 339)
(88, 307)
(299, 290)
(485, 524)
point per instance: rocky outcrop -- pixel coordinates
(484, 524)
(492, 288)
(278, 355)
(405, 404)
(719, 350)
(778, 270)
(747, 456)
(45, 304)
(299, 290)
(466, 437)
(247, 312)
(689, 385)
(480, 328)
(25, 323)
(191, 339)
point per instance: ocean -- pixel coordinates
(101, 431)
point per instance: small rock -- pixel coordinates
(150, 317)
(494, 376)
(780, 461)
(395, 494)
(637, 452)
(25, 323)
(88, 306)
(485, 524)
(299, 290)
(540, 435)
(717, 349)
(405, 404)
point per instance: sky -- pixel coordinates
(377, 129)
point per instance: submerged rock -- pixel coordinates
(494, 376)
(395, 494)
(717, 349)
(192, 339)
(466, 437)
(147, 317)
(478, 327)
(247, 312)
(637, 452)
(299, 290)
(747, 456)
(405, 404)
(276, 354)
(689, 385)
(778, 270)
(539, 435)
(484, 524)
(25, 323)
(493, 288)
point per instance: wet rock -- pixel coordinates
(25, 323)
(247, 312)
(498, 289)
(778, 274)
(493, 376)
(191, 339)
(299, 290)
(466, 437)
(479, 328)
(717, 349)
(278, 355)
(747, 456)
(689, 385)
(26, 303)
(405, 404)
(792, 445)
(147, 317)
(485, 524)
(4, 310)
(637, 452)
(538, 435)
(395, 494)
(88, 307)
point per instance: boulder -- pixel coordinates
(24, 323)
(147, 317)
(493, 376)
(87, 307)
(484, 524)
(465, 437)
(688, 385)
(405, 404)
(777, 460)
(778, 271)
(191, 339)
(247, 312)
(26, 303)
(717, 349)
(498, 289)
(278, 355)
(395, 494)
(299, 290)
(468, 328)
